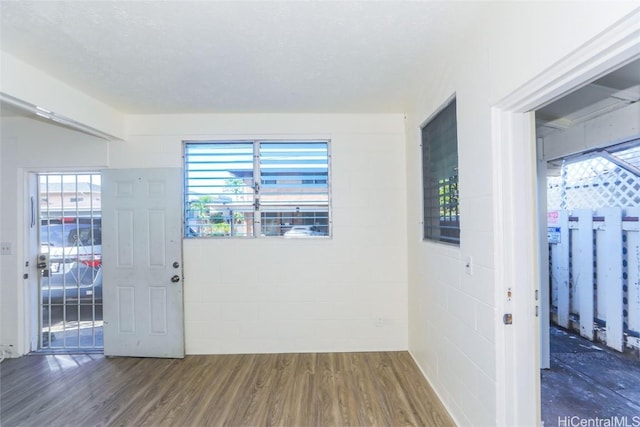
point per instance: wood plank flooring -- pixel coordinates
(314, 389)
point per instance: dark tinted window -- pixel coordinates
(440, 176)
(71, 233)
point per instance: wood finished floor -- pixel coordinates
(315, 389)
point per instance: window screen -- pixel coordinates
(257, 188)
(440, 176)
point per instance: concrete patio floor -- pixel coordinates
(589, 384)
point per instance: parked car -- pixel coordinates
(80, 284)
(70, 260)
(304, 231)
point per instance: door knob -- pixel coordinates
(175, 279)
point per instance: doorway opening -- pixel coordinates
(69, 262)
(589, 168)
(520, 214)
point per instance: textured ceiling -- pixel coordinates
(236, 56)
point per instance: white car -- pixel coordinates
(304, 231)
(71, 251)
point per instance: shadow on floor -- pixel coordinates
(589, 384)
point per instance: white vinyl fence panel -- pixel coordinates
(595, 273)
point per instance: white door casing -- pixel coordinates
(142, 262)
(30, 272)
(518, 377)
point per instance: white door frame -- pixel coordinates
(30, 271)
(516, 211)
(544, 292)
(30, 333)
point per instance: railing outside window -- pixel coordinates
(257, 188)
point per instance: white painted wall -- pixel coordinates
(1, 240)
(263, 296)
(284, 295)
(28, 145)
(253, 295)
(455, 320)
(32, 85)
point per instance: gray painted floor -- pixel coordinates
(589, 384)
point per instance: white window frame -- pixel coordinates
(256, 206)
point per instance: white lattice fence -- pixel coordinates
(593, 182)
(595, 273)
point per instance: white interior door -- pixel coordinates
(142, 262)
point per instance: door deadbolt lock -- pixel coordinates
(176, 264)
(43, 261)
(175, 279)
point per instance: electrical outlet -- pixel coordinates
(6, 248)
